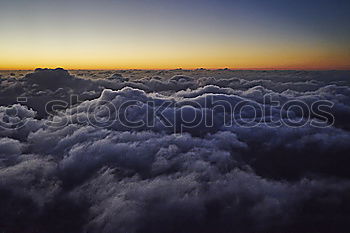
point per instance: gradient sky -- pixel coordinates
(152, 34)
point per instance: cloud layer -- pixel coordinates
(66, 171)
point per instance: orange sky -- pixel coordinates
(158, 57)
(127, 36)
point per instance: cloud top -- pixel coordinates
(76, 169)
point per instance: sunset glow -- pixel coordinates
(163, 35)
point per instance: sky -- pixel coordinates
(155, 34)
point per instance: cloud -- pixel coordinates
(82, 169)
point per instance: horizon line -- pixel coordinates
(194, 69)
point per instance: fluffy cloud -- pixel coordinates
(82, 169)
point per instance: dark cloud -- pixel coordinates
(80, 170)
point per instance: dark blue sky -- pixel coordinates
(236, 32)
